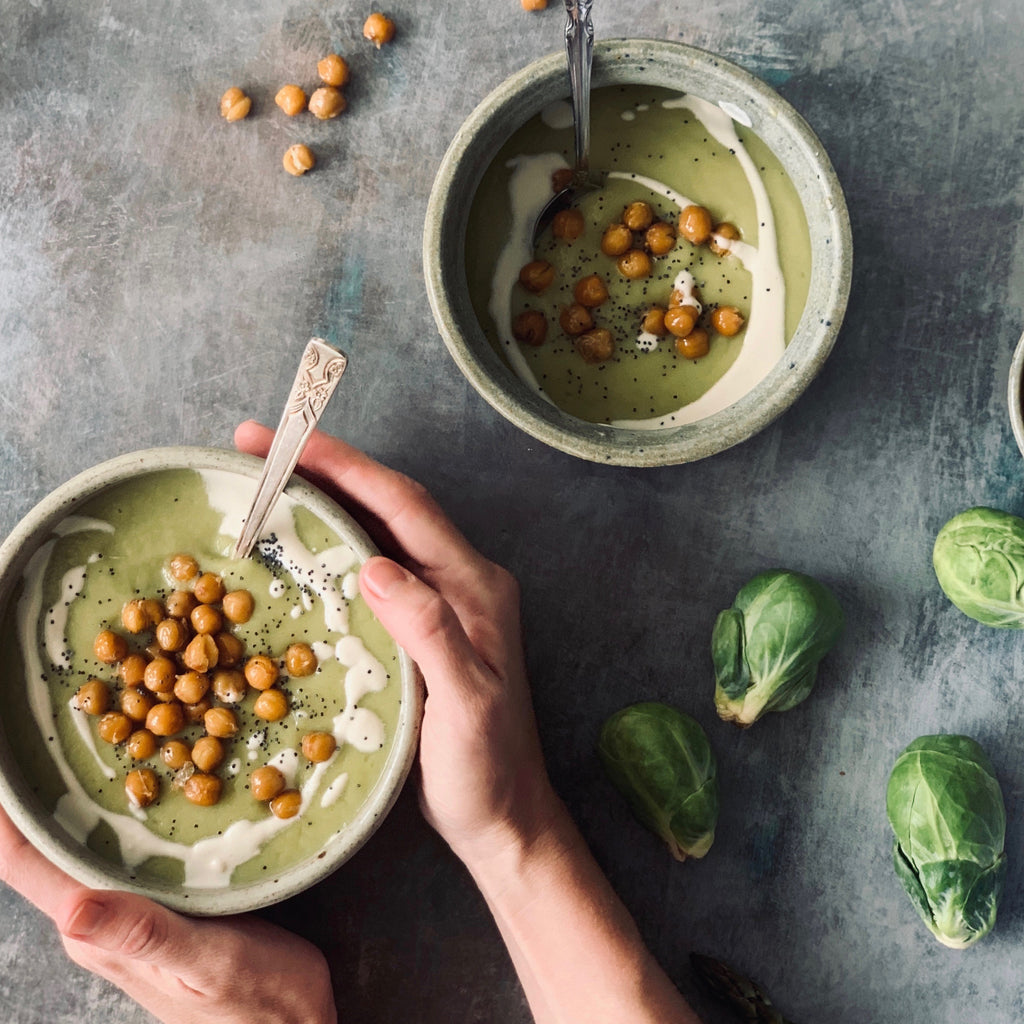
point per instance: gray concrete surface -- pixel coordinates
(159, 275)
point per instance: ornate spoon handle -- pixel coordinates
(319, 372)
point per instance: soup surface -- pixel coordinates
(670, 151)
(115, 548)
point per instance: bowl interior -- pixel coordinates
(37, 822)
(683, 69)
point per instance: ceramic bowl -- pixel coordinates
(682, 69)
(38, 822)
(1015, 394)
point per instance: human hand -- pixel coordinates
(483, 781)
(233, 970)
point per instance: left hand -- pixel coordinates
(233, 970)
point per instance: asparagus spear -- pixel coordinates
(750, 1001)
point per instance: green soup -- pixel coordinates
(669, 151)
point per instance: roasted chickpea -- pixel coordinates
(379, 29)
(234, 104)
(207, 753)
(220, 722)
(286, 804)
(327, 102)
(182, 567)
(230, 650)
(160, 674)
(142, 787)
(634, 264)
(660, 238)
(616, 240)
(229, 685)
(136, 704)
(172, 634)
(238, 606)
(115, 727)
(575, 319)
(133, 669)
(202, 789)
(680, 320)
(695, 345)
(165, 719)
(195, 713)
(291, 99)
(205, 618)
(695, 224)
(201, 654)
(596, 346)
(299, 660)
(271, 705)
(530, 327)
(191, 687)
(134, 617)
(561, 179)
(298, 159)
(141, 745)
(109, 647)
(685, 297)
(638, 216)
(175, 754)
(209, 588)
(654, 322)
(722, 235)
(318, 746)
(333, 70)
(180, 604)
(93, 697)
(727, 321)
(261, 672)
(567, 225)
(536, 276)
(265, 783)
(534, 5)
(590, 291)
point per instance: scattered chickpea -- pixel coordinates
(379, 29)
(175, 754)
(596, 346)
(318, 746)
(134, 617)
(680, 320)
(291, 99)
(654, 322)
(638, 216)
(299, 660)
(165, 719)
(183, 567)
(160, 674)
(634, 265)
(132, 669)
(195, 713)
(726, 233)
(261, 672)
(205, 618)
(298, 159)
(142, 787)
(230, 650)
(534, 5)
(180, 604)
(530, 327)
(191, 687)
(221, 722)
(695, 224)
(109, 647)
(208, 588)
(202, 789)
(590, 291)
(575, 319)
(207, 753)
(234, 104)
(136, 704)
(536, 275)
(171, 635)
(115, 727)
(93, 697)
(238, 606)
(561, 179)
(271, 705)
(695, 345)
(229, 685)
(286, 804)
(265, 783)
(201, 653)
(141, 745)
(616, 240)
(567, 225)
(660, 238)
(327, 102)
(727, 321)
(333, 70)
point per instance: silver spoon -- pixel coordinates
(319, 372)
(579, 52)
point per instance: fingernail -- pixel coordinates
(380, 576)
(88, 919)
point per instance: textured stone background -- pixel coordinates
(159, 274)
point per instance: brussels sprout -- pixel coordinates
(979, 561)
(946, 808)
(661, 761)
(767, 646)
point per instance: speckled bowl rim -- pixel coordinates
(684, 69)
(1015, 394)
(39, 826)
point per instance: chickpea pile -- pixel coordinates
(191, 677)
(634, 242)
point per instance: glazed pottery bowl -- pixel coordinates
(1015, 395)
(682, 69)
(51, 803)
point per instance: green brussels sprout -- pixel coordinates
(946, 809)
(767, 646)
(979, 561)
(661, 761)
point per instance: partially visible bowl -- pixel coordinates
(683, 69)
(31, 781)
(1015, 394)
